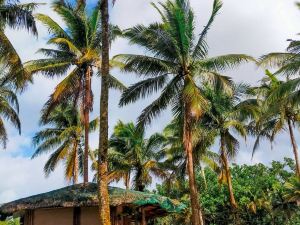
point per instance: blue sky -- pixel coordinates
(254, 27)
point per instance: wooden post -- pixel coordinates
(143, 222)
(76, 215)
(29, 217)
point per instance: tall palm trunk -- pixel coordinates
(197, 218)
(76, 164)
(295, 148)
(87, 107)
(104, 210)
(228, 174)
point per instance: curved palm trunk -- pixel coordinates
(197, 218)
(104, 210)
(87, 107)
(295, 148)
(228, 174)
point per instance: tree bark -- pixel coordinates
(76, 164)
(103, 195)
(139, 182)
(295, 147)
(228, 174)
(197, 218)
(87, 108)
(80, 4)
(143, 222)
(127, 181)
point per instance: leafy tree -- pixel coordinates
(177, 64)
(259, 192)
(10, 222)
(64, 137)
(76, 54)
(292, 193)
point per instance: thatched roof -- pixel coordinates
(84, 196)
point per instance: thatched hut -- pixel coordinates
(78, 205)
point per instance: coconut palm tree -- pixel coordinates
(64, 138)
(14, 15)
(287, 63)
(279, 111)
(9, 109)
(104, 208)
(76, 54)
(173, 155)
(225, 116)
(134, 156)
(177, 64)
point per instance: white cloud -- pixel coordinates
(21, 177)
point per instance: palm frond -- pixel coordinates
(200, 50)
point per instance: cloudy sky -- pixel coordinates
(253, 27)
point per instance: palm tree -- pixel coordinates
(173, 154)
(15, 16)
(287, 63)
(64, 137)
(278, 110)
(227, 114)
(77, 49)
(9, 109)
(177, 64)
(131, 155)
(103, 196)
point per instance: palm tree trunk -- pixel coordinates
(104, 210)
(127, 181)
(197, 218)
(87, 107)
(76, 164)
(228, 174)
(80, 3)
(139, 182)
(295, 148)
(204, 177)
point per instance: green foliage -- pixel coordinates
(176, 64)
(10, 222)
(259, 191)
(9, 110)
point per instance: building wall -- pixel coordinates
(89, 216)
(60, 216)
(71, 216)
